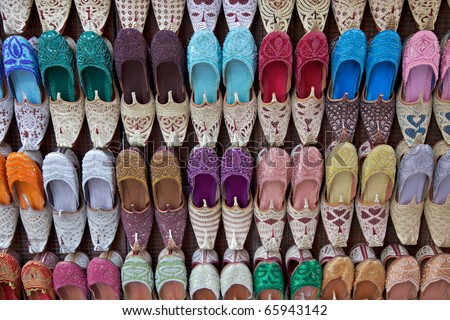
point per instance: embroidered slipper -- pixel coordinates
(136, 210)
(10, 281)
(137, 276)
(204, 14)
(9, 216)
(369, 274)
(170, 204)
(53, 14)
(237, 199)
(420, 73)
(435, 282)
(276, 15)
(311, 71)
(171, 275)
(378, 101)
(441, 96)
(273, 174)
(275, 71)
(15, 15)
(338, 273)
(386, 13)
(378, 166)
(303, 205)
(93, 14)
(239, 13)
(204, 65)
(268, 275)
(348, 14)
(5, 192)
(425, 13)
(103, 276)
(37, 280)
(342, 100)
(6, 101)
(57, 66)
(437, 203)
(99, 190)
(313, 13)
(69, 278)
(132, 14)
(236, 281)
(204, 201)
(204, 281)
(172, 101)
(169, 15)
(402, 273)
(304, 273)
(415, 173)
(337, 201)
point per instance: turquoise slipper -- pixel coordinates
(57, 65)
(95, 66)
(2, 73)
(239, 64)
(22, 70)
(347, 64)
(204, 57)
(382, 64)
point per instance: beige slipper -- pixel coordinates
(425, 12)
(386, 13)
(313, 13)
(15, 15)
(53, 14)
(276, 15)
(348, 14)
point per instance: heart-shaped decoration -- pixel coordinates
(416, 121)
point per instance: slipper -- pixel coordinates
(276, 15)
(414, 103)
(304, 273)
(204, 14)
(204, 281)
(386, 13)
(236, 281)
(69, 278)
(415, 173)
(402, 273)
(170, 204)
(137, 276)
(137, 106)
(275, 71)
(169, 14)
(311, 71)
(441, 96)
(172, 101)
(10, 281)
(303, 205)
(171, 275)
(69, 228)
(425, 13)
(9, 216)
(57, 66)
(239, 13)
(93, 15)
(37, 280)
(342, 100)
(273, 174)
(369, 274)
(338, 273)
(204, 201)
(6, 101)
(348, 14)
(53, 15)
(378, 166)
(5, 192)
(337, 201)
(268, 275)
(132, 14)
(15, 15)
(237, 199)
(435, 282)
(136, 209)
(103, 276)
(437, 203)
(313, 13)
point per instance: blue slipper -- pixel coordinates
(239, 64)
(22, 70)
(204, 57)
(1, 72)
(347, 64)
(382, 64)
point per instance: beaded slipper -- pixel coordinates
(204, 281)
(386, 13)
(236, 279)
(103, 276)
(69, 277)
(37, 280)
(204, 14)
(137, 276)
(15, 15)
(313, 13)
(169, 14)
(268, 275)
(10, 281)
(9, 211)
(276, 15)
(239, 13)
(171, 275)
(348, 14)
(93, 15)
(6, 101)
(132, 14)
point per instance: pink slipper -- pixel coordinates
(103, 276)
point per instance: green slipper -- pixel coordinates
(268, 280)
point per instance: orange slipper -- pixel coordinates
(5, 194)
